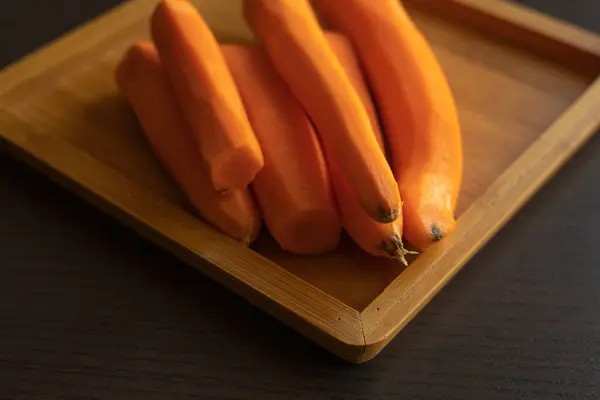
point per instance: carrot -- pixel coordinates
(346, 55)
(144, 85)
(301, 55)
(293, 189)
(206, 94)
(373, 237)
(416, 106)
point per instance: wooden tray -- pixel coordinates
(527, 100)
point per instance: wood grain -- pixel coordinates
(526, 28)
(61, 113)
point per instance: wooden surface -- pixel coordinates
(89, 309)
(60, 112)
(529, 29)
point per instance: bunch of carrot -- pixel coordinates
(293, 131)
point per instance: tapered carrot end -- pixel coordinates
(125, 69)
(401, 254)
(139, 51)
(387, 216)
(158, 14)
(165, 13)
(436, 233)
(426, 234)
(394, 249)
(250, 237)
(145, 47)
(442, 228)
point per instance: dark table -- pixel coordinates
(90, 310)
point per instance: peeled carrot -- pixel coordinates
(293, 189)
(417, 109)
(343, 50)
(207, 94)
(144, 85)
(301, 55)
(373, 237)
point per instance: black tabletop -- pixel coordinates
(90, 310)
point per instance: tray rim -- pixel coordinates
(356, 336)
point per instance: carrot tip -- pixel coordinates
(247, 240)
(397, 251)
(436, 233)
(387, 216)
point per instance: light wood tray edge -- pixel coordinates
(352, 335)
(409, 293)
(526, 28)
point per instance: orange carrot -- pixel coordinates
(293, 189)
(346, 55)
(417, 109)
(206, 94)
(373, 237)
(144, 85)
(301, 55)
